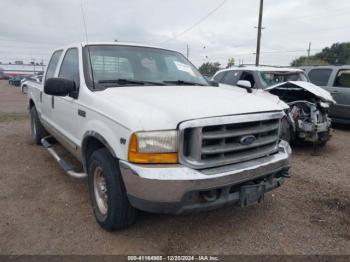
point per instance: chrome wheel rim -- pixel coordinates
(100, 190)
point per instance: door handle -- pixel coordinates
(334, 92)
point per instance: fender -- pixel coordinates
(100, 138)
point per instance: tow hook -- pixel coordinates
(285, 173)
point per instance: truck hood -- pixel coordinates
(164, 107)
(319, 92)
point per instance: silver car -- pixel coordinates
(336, 80)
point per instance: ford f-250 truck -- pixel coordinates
(153, 134)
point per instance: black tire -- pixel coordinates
(119, 213)
(324, 138)
(37, 129)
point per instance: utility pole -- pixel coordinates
(257, 58)
(308, 54)
(187, 51)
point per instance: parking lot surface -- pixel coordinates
(43, 211)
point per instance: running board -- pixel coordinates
(47, 143)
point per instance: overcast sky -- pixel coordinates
(33, 28)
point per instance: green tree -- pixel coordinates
(337, 54)
(230, 62)
(209, 69)
(304, 60)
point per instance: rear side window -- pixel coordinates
(219, 77)
(51, 68)
(70, 66)
(231, 78)
(320, 76)
(343, 78)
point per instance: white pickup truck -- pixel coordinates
(153, 134)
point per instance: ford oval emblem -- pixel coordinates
(247, 140)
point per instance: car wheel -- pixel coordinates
(323, 138)
(107, 191)
(37, 130)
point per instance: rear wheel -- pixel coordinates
(37, 129)
(107, 191)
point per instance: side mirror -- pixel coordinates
(245, 84)
(59, 86)
(213, 83)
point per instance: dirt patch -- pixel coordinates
(5, 117)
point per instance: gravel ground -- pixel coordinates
(43, 211)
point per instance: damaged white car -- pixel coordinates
(307, 115)
(307, 118)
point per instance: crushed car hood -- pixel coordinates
(319, 92)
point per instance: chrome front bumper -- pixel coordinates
(165, 189)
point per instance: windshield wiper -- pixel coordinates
(182, 82)
(122, 81)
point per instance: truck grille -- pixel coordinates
(241, 139)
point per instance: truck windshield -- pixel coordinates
(119, 65)
(273, 78)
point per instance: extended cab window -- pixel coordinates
(51, 68)
(70, 66)
(343, 78)
(320, 76)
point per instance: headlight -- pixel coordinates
(154, 147)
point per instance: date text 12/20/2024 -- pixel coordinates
(173, 258)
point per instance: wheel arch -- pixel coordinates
(31, 103)
(91, 142)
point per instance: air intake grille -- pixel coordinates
(220, 144)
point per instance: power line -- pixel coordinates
(197, 23)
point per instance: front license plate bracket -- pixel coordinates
(251, 194)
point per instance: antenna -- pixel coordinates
(87, 43)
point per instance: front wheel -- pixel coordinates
(107, 191)
(323, 138)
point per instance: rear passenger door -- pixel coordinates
(341, 94)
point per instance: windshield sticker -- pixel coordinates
(183, 67)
